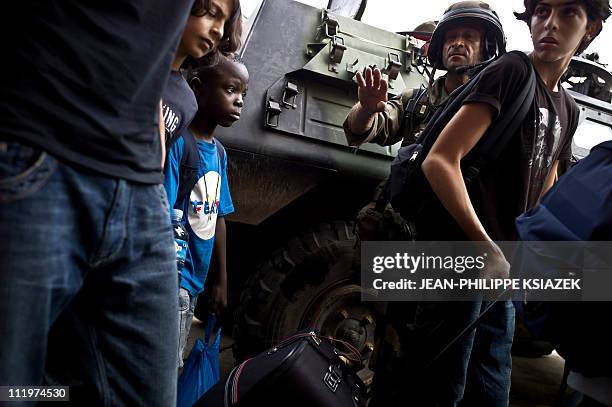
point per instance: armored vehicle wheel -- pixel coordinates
(309, 283)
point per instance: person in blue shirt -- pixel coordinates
(219, 91)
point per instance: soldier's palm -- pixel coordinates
(372, 99)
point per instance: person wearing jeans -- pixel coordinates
(87, 262)
(187, 305)
(93, 254)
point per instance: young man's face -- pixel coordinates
(557, 29)
(462, 46)
(203, 33)
(223, 98)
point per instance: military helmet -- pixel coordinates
(424, 30)
(476, 12)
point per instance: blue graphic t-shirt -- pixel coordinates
(209, 199)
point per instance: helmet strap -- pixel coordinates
(431, 81)
(472, 69)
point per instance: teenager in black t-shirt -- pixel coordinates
(559, 30)
(515, 181)
(526, 169)
(88, 272)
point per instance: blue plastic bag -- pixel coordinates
(201, 370)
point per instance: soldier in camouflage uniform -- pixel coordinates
(468, 34)
(403, 119)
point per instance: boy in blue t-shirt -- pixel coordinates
(219, 91)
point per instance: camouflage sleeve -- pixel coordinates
(386, 126)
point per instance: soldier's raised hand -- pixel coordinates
(372, 90)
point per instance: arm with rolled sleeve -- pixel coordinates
(385, 125)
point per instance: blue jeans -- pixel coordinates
(87, 284)
(476, 370)
(187, 305)
(473, 372)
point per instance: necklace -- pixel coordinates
(210, 211)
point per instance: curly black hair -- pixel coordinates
(205, 70)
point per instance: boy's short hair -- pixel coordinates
(205, 70)
(596, 10)
(232, 33)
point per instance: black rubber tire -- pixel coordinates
(295, 280)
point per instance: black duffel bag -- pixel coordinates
(304, 370)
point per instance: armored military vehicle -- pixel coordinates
(295, 183)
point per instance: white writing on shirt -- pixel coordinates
(171, 119)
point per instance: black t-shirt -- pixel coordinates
(179, 106)
(84, 79)
(513, 183)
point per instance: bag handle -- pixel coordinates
(209, 328)
(514, 118)
(190, 161)
(353, 353)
